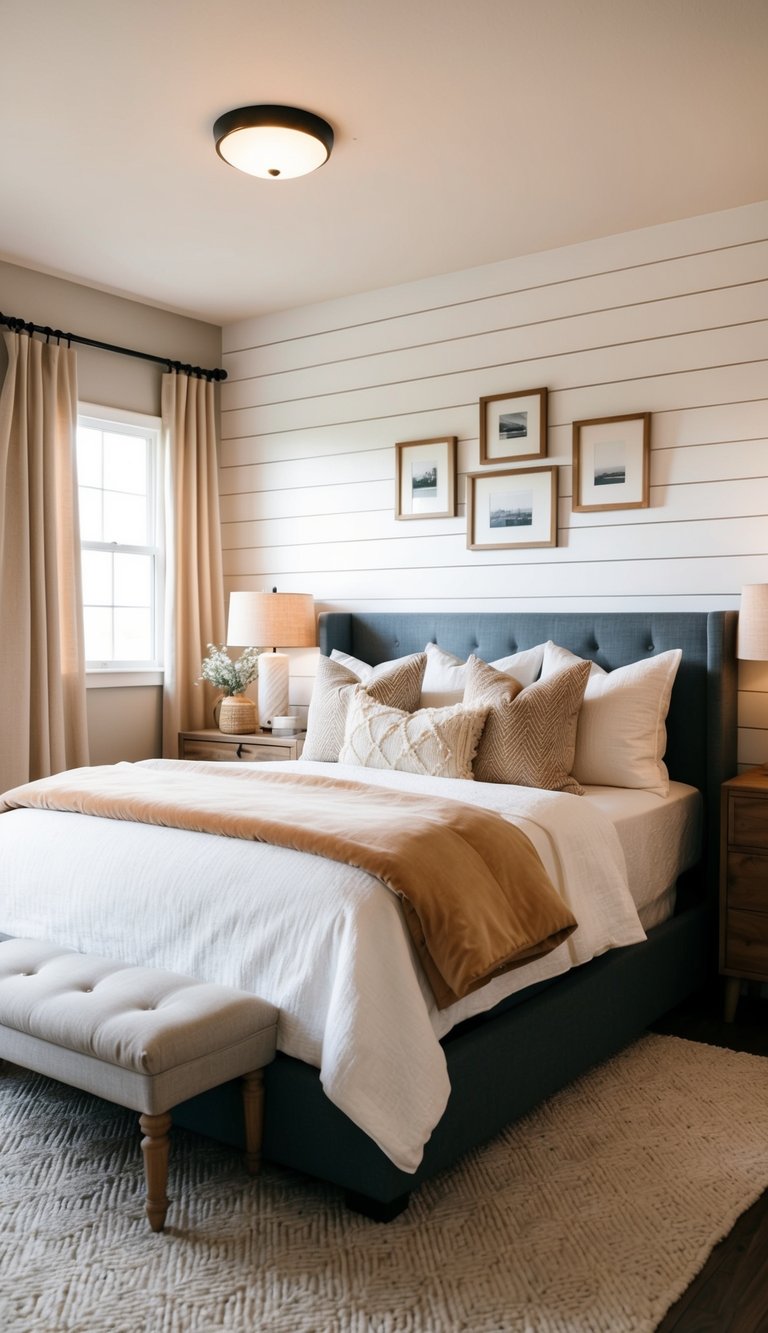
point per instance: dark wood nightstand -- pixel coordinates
(744, 883)
(217, 747)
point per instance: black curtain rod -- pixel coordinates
(24, 326)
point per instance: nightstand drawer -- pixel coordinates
(216, 752)
(746, 947)
(747, 822)
(215, 747)
(748, 881)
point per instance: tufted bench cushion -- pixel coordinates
(144, 1038)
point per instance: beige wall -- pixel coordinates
(124, 722)
(669, 320)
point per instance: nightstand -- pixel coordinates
(743, 883)
(217, 747)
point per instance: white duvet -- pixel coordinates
(323, 941)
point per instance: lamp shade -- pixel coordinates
(271, 620)
(752, 640)
(273, 142)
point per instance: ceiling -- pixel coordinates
(467, 131)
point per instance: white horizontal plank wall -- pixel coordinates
(671, 320)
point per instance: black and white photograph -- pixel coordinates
(512, 509)
(513, 426)
(611, 463)
(423, 482)
(425, 478)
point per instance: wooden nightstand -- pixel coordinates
(744, 883)
(217, 747)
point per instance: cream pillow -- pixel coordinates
(622, 734)
(436, 742)
(362, 669)
(530, 735)
(446, 675)
(397, 684)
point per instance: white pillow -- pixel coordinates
(361, 669)
(436, 742)
(622, 735)
(446, 675)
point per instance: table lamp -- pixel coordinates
(272, 620)
(752, 638)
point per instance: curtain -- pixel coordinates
(194, 602)
(43, 727)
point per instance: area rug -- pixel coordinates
(590, 1215)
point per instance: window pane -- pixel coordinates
(125, 519)
(133, 635)
(91, 529)
(125, 463)
(98, 634)
(88, 456)
(97, 578)
(134, 578)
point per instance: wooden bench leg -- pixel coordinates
(154, 1146)
(253, 1115)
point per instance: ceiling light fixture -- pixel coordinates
(274, 142)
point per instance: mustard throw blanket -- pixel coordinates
(475, 894)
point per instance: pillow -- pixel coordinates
(396, 684)
(437, 742)
(445, 676)
(530, 735)
(361, 669)
(622, 734)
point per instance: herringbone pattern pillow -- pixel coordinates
(530, 735)
(396, 684)
(437, 742)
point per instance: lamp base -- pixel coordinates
(273, 687)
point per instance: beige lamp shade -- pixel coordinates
(271, 620)
(752, 640)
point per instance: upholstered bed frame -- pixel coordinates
(504, 1063)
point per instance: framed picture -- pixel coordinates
(425, 478)
(611, 463)
(513, 426)
(507, 510)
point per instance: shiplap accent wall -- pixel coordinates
(671, 320)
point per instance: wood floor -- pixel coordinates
(730, 1295)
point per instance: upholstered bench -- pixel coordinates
(140, 1037)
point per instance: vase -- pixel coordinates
(237, 715)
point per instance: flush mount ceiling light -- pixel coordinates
(274, 142)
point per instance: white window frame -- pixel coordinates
(101, 675)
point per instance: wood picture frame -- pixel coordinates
(425, 478)
(513, 426)
(519, 501)
(611, 463)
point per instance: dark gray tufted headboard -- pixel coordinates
(701, 726)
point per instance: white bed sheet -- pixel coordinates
(661, 836)
(323, 941)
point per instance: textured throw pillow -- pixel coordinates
(397, 684)
(530, 735)
(361, 669)
(436, 742)
(622, 732)
(446, 675)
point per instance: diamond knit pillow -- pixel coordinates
(530, 735)
(397, 684)
(436, 742)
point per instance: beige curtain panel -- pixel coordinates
(43, 725)
(194, 605)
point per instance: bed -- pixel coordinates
(499, 1063)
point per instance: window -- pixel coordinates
(118, 468)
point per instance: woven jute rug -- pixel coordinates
(591, 1215)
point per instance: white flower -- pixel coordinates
(228, 676)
